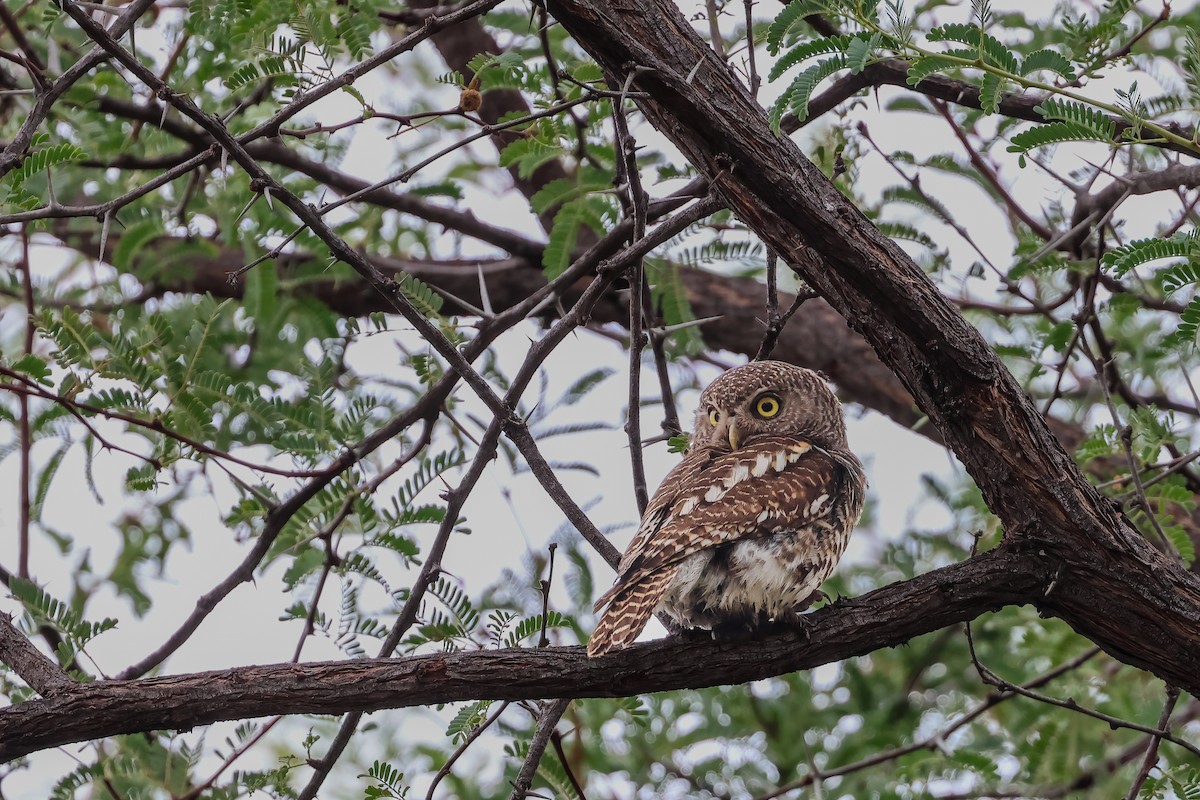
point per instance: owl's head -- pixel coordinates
(769, 397)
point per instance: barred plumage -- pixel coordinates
(752, 520)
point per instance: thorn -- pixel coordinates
(453, 298)
(691, 76)
(545, 301)
(679, 326)
(104, 229)
(484, 297)
(253, 200)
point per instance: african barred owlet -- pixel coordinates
(751, 522)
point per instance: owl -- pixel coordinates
(745, 529)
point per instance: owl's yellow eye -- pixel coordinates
(713, 417)
(767, 406)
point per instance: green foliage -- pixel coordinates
(680, 443)
(669, 295)
(46, 610)
(557, 192)
(1047, 59)
(41, 160)
(1121, 260)
(816, 47)
(384, 781)
(529, 154)
(989, 49)
(922, 68)
(1189, 325)
(468, 718)
(573, 217)
(425, 299)
(531, 626)
(795, 98)
(791, 19)
(1056, 133)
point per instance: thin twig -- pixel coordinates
(43, 675)
(550, 714)
(14, 153)
(992, 679)
(989, 175)
(556, 739)
(755, 80)
(25, 429)
(714, 29)
(199, 789)
(934, 741)
(475, 733)
(1164, 720)
(633, 200)
(543, 640)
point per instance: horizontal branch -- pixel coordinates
(884, 618)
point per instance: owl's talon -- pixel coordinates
(736, 630)
(695, 634)
(815, 597)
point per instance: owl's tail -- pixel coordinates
(628, 613)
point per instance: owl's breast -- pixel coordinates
(753, 578)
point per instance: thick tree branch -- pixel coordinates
(884, 618)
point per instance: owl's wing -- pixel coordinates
(770, 483)
(711, 498)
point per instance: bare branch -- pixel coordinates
(43, 675)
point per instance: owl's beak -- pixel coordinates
(728, 429)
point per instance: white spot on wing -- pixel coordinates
(739, 474)
(714, 494)
(689, 506)
(816, 505)
(761, 463)
(781, 460)
(763, 516)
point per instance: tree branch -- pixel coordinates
(884, 618)
(44, 676)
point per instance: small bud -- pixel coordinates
(470, 100)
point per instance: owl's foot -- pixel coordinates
(736, 630)
(815, 597)
(695, 634)
(792, 622)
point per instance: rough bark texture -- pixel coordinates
(884, 618)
